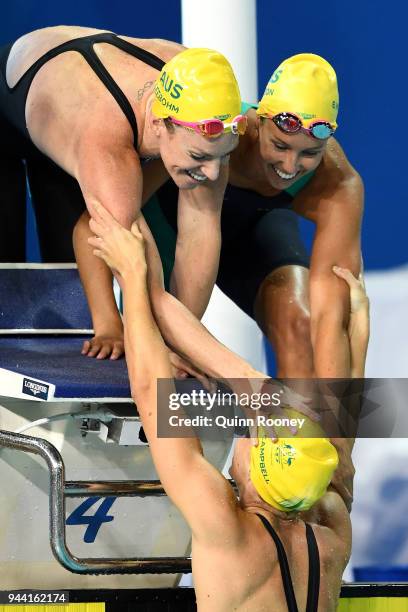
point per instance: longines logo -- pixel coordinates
(33, 388)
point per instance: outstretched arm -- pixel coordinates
(333, 200)
(359, 324)
(180, 464)
(358, 335)
(180, 329)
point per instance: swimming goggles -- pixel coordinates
(291, 124)
(215, 127)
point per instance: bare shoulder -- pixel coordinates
(335, 168)
(215, 517)
(31, 46)
(165, 49)
(336, 187)
(336, 161)
(332, 519)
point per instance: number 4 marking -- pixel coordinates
(78, 517)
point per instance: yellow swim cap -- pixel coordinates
(195, 85)
(293, 473)
(305, 85)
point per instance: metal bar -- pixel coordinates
(116, 488)
(55, 464)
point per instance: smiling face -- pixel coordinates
(192, 159)
(287, 157)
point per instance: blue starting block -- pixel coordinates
(44, 319)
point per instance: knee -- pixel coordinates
(299, 324)
(292, 327)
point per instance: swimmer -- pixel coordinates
(288, 164)
(284, 545)
(96, 118)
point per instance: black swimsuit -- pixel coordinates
(259, 235)
(314, 569)
(56, 196)
(13, 99)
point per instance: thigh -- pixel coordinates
(58, 203)
(271, 243)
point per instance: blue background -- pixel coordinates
(362, 40)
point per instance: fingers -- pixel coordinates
(107, 238)
(299, 402)
(95, 241)
(102, 215)
(361, 265)
(96, 227)
(135, 229)
(183, 365)
(101, 255)
(358, 295)
(361, 275)
(310, 413)
(345, 274)
(104, 256)
(273, 434)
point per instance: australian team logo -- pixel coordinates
(167, 90)
(285, 455)
(170, 86)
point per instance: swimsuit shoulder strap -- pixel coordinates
(138, 52)
(314, 570)
(284, 566)
(84, 46)
(96, 64)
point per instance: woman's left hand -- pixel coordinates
(122, 250)
(183, 368)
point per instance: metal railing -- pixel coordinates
(60, 489)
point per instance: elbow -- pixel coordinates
(358, 181)
(356, 188)
(125, 215)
